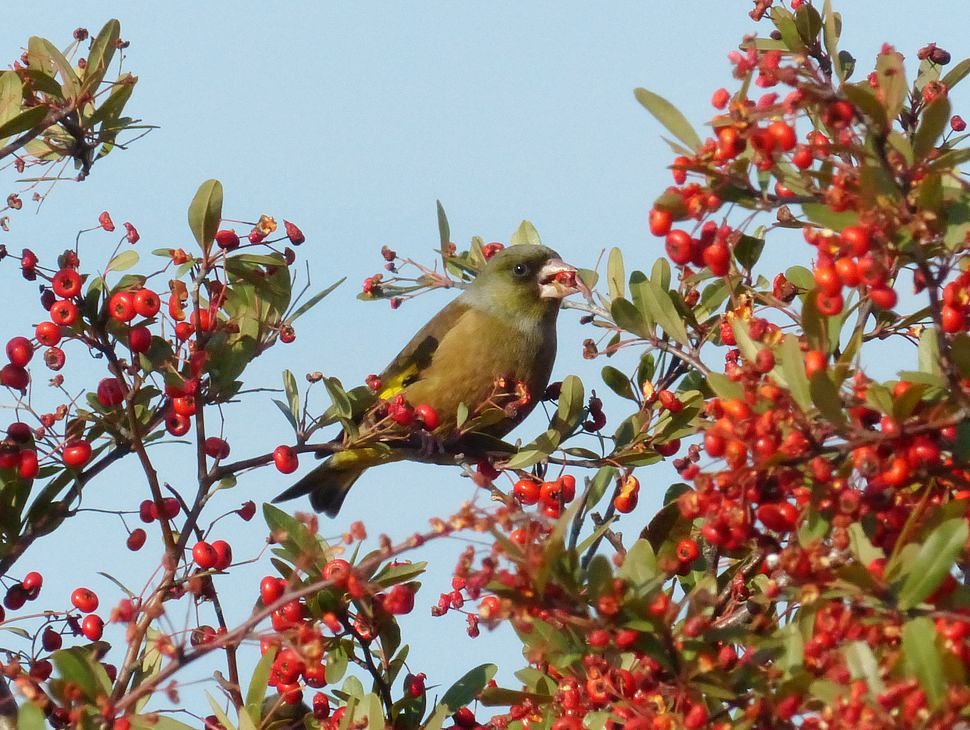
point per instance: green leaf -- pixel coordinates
(526, 233)
(861, 546)
(662, 308)
(285, 409)
(258, 684)
(615, 275)
(123, 261)
(809, 23)
(640, 563)
(892, 82)
(75, 665)
(312, 301)
(923, 658)
(100, 55)
(832, 29)
(618, 382)
(339, 397)
(11, 96)
(929, 352)
(824, 216)
(956, 74)
(724, 387)
(23, 121)
(748, 250)
(669, 116)
(629, 318)
(205, 213)
(29, 717)
(292, 394)
(826, 397)
(862, 664)
(392, 574)
(933, 562)
(935, 119)
(69, 80)
(467, 688)
(793, 368)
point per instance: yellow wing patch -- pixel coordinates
(398, 383)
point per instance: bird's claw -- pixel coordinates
(429, 444)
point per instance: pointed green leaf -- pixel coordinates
(467, 688)
(312, 301)
(205, 212)
(862, 664)
(525, 233)
(669, 116)
(292, 394)
(923, 658)
(258, 683)
(934, 120)
(826, 397)
(793, 369)
(956, 74)
(123, 261)
(22, 122)
(101, 53)
(628, 317)
(933, 562)
(618, 382)
(615, 276)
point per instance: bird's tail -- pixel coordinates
(328, 484)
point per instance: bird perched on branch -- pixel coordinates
(487, 354)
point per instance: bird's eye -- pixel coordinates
(520, 270)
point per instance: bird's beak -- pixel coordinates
(557, 279)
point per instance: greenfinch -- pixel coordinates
(474, 371)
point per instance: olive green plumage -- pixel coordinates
(502, 325)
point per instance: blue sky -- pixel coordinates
(351, 120)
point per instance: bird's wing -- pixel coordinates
(416, 356)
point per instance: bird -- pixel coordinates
(489, 352)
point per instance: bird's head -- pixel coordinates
(525, 280)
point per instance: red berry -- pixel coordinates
(48, 333)
(84, 600)
(14, 377)
(136, 540)
(147, 303)
(139, 339)
(883, 297)
(337, 571)
(717, 257)
(33, 582)
(803, 157)
(286, 459)
(92, 627)
(147, 511)
(660, 222)
(679, 246)
(204, 555)
(427, 415)
(27, 466)
(19, 351)
(184, 331)
(227, 239)
(778, 516)
(77, 453)
(223, 554)
(828, 305)
(110, 393)
(952, 319)
(271, 589)
(170, 507)
(783, 135)
(216, 447)
(121, 306)
(687, 550)
(177, 424)
(526, 491)
(625, 503)
(15, 597)
(856, 240)
(184, 405)
(828, 280)
(64, 312)
(66, 283)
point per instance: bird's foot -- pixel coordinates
(429, 445)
